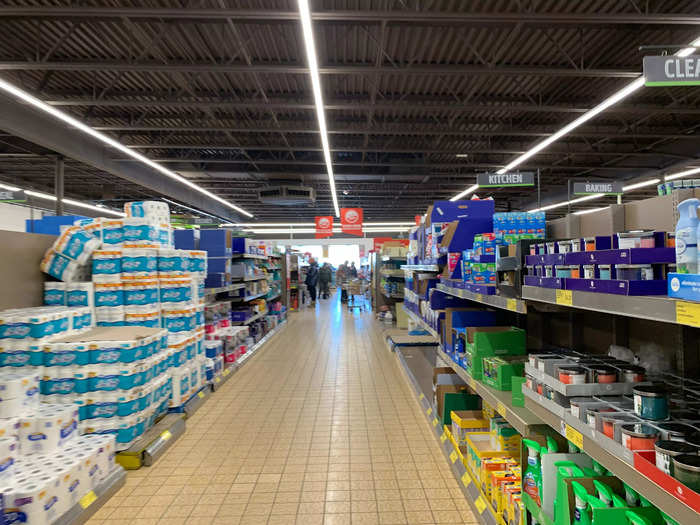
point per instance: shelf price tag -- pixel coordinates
(479, 298)
(453, 456)
(200, 395)
(688, 313)
(421, 396)
(466, 480)
(227, 372)
(501, 409)
(429, 411)
(443, 437)
(480, 504)
(217, 380)
(435, 421)
(512, 305)
(574, 436)
(88, 499)
(565, 297)
(165, 435)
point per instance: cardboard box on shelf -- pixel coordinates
(486, 341)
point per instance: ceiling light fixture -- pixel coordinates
(674, 176)
(643, 184)
(613, 99)
(468, 191)
(26, 97)
(462, 155)
(307, 30)
(71, 202)
(592, 210)
(269, 231)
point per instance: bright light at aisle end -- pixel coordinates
(65, 117)
(71, 202)
(307, 30)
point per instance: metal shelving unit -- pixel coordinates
(680, 512)
(647, 307)
(425, 326)
(250, 319)
(247, 298)
(212, 292)
(421, 267)
(522, 419)
(393, 273)
(477, 501)
(496, 301)
(248, 279)
(155, 441)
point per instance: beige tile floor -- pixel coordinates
(319, 428)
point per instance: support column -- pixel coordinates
(58, 184)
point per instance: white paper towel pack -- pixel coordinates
(19, 393)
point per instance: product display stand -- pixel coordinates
(89, 504)
(149, 447)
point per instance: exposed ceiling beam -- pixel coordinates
(495, 106)
(41, 128)
(411, 69)
(510, 132)
(358, 16)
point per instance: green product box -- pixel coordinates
(456, 402)
(564, 512)
(518, 398)
(498, 372)
(491, 341)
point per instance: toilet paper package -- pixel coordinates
(176, 290)
(181, 386)
(33, 501)
(54, 293)
(112, 233)
(76, 244)
(19, 393)
(156, 211)
(80, 294)
(9, 427)
(173, 262)
(9, 450)
(107, 266)
(142, 292)
(109, 316)
(63, 267)
(138, 230)
(92, 226)
(49, 428)
(109, 294)
(178, 319)
(139, 261)
(146, 315)
(197, 263)
(82, 318)
(20, 353)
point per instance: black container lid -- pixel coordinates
(675, 447)
(687, 461)
(603, 369)
(639, 430)
(693, 439)
(633, 368)
(651, 390)
(677, 429)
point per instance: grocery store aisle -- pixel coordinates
(320, 427)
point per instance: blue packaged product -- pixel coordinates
(138, 230)
(112, 232)
(175, 290)
(109, 294)
(139, 261)
(54, 294)
(79, 294)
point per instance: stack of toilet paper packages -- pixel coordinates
(42, 487)
(68, 257)
(142, 286)
(117, 377)
(23, 330)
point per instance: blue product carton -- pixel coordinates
(219, 264)
(217, 243)
(186, 239)
(684, 286)
(217, 280)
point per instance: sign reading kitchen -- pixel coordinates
(487, 180)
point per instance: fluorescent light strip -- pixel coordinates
(267, 231)
(307, 29)
(300, 224)
(466, 192)
(643, 184)
(674, 176)
(9, 188)
(613, 99)
(26, 97)
(71, 202)
(592, 210)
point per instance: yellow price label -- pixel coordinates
(480, 504)
(217, 380)
(512, 305)
(200, 395)
(435, 421)
(565, 297)
(466, 479)
(227, 372)
(501, 409)
(479, 298)
(88, 499)
(688, 313)
(166, 435)
(443, 437)
(421, 397)
(453, 456)
(574, 436)
(429, 411)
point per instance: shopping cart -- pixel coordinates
(357, 290)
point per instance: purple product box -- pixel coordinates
(614, 286)
(534, 260)
(240, 315)
(630, 256)
(217, 280)
(544, 282)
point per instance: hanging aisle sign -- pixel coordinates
(598, 187)
(324, 226)
(672, 70)
(490, 180)
(12, 196)
(351, 221)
